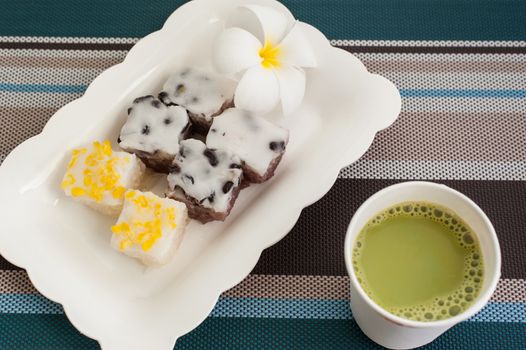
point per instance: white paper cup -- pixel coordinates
(395, 332)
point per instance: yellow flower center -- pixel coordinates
(269, 53)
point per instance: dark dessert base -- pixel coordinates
(197, 211)
(158, 161)
(200, 125)
(251, 176)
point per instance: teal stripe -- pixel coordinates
(338, 19)
(67, 89)
(466, 93)
(242, 333)
(55, 332)
(460, 93)
(266, 308)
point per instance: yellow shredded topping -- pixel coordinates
(145, 226)
(144, 232)
(99, 176)
(269, 53)
(77, 191)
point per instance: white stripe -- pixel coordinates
(36, 99)
(380, 57)
(441, 57)
(410, 104)
(419, 80)
(455, 105)
(65, 76)
(434, 170)
(61, 54)
(83, 40)
(456, 43)
(456, 80)
(40, 39)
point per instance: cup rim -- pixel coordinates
(482, 299)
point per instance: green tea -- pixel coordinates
(419, 261)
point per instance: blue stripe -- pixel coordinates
(66, 89)
(464, 93)
(266, 308)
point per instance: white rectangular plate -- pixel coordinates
(65, 247)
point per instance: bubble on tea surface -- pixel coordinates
(468, 239)
(450, 304)
(454, 310)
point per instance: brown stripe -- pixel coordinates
(415, 65)
(58, 62)
(17, 124)
(275, 286)
(355, 49)
(7, 266)
(15, 282)
(436, 49)
(484, 136)
(337, 288)
(65, 46)
(315, 244)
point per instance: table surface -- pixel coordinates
(460, 66)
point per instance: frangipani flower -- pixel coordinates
(270, 58)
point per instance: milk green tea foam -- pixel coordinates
(419, 261)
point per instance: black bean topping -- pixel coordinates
(143, 98)
(163, 96)
(119, 139)
(189, 178)
(235, 166)
(211, 155)
(227, 186)
(167, 121)
(277, 146)
(213, 130)
(180, 88)
(129, 110)
(223, 134)
(156, 104)
(145, 130)
(212, 197)
(175, 168)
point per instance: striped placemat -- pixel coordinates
(460, 66)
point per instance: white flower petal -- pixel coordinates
(275, 24)
(291, 87)
(258, 90)
(296, 49)
(235, 50)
